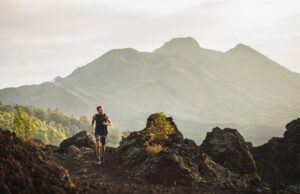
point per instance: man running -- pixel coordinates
(102, 121)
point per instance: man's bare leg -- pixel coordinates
(102, 151)
(98, 149)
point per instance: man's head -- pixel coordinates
(100, 109)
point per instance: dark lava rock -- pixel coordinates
(278, 161)
(292, 133)
(228, 148)
(292, 189)
(24, 168)
(159, 154)
(152, 154)
(81, 139)
(51, 148)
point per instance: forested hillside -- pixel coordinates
(50, 126)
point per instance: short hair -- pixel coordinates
(98, 107)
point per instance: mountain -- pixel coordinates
(201, 88)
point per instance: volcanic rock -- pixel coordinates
(81, 139)
(24, 168)
(159, 154)
(278, 161)
(228, 148)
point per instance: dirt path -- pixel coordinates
(108, 178)
(93, 178)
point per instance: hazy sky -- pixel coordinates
(41, 39)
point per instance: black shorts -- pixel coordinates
(100, 138)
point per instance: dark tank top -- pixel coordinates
(100, 118)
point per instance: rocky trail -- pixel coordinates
(90, 176)
(107, 177)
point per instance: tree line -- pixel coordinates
(50, 126)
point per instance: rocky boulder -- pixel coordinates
(278, 161)
(24, 168)
(228, 148)
(160, 131)
(73, 150)
(292, 133)
(81, 139)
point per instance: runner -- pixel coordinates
(100, 131)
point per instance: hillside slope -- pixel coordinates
(200, 87)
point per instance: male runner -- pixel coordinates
(102, 121)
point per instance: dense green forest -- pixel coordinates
(50, 126)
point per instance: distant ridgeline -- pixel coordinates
(201, 88)
(51, 126)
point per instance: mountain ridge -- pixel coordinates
(197, 87)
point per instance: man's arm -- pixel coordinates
(108, 121)
(93, 121)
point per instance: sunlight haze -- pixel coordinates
(44, 39)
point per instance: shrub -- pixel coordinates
(154, 148)
(159, 127)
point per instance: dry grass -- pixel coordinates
(154, 148)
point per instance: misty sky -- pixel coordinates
(41, 39)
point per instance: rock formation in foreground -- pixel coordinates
(278, 161)
(156, 159)
(81, 139)
(228, 148)
(159, 154)
(25, 168)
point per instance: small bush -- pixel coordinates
(159, 127)
(154, 148)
